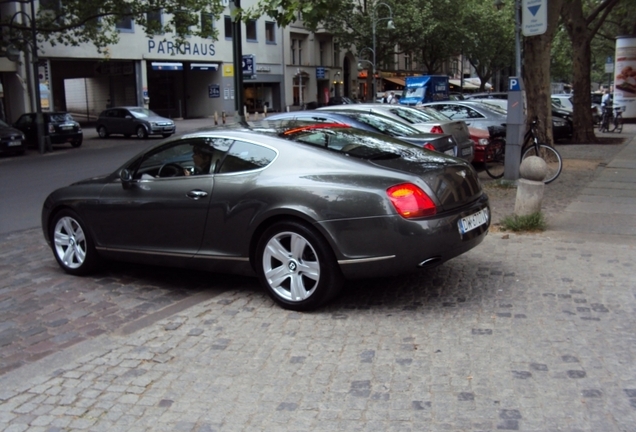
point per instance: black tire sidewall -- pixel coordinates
(99, 132)
(142, 135)
(331, 278)
(91, 260)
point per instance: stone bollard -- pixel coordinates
(530, 187)
(216, 118)
(223, 116)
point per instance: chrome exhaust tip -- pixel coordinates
(428, 262)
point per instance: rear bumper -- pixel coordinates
(65, 138)
(389, 245)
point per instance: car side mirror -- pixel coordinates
(126, 177)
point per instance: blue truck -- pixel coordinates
(425, 88)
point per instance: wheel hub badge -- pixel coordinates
(292, 266)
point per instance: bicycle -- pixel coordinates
(496, 153)
(611, 120)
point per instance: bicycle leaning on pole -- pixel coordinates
(611, 122)
(496, 152)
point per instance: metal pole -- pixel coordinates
(373, 96)
(518, 38)
(237, 51)
(39, 120)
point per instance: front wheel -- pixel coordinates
(102, 132)
(618, 125)
(297, 267)
(72, 246)
(77, 142)
(141, 132)
(551, 157)
(495, 159)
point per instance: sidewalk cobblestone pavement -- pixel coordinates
(525, 332)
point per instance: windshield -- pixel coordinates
(413, 115)
(142, 112)
(3, 124)
(384, 124)
(434, 113)
(417, 92)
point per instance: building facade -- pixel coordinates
(288, 68)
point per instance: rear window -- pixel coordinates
(60, 117)
(384, 124)
(360, 144)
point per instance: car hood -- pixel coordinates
(10, 132)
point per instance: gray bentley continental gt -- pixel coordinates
(301, 206)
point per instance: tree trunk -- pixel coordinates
(536, 73)
(580, 37)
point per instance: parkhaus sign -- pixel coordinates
(203, 49)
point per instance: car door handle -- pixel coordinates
(196, 194)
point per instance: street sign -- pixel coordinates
(609, 65)
(249, 66)
(534, 17)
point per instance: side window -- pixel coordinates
(471, 113)
(244, 156)
(25, 120)
(178, 159)
(313, 118)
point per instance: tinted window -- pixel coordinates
(60, 117)
(181, 156)
(244, 156)
(25, 120)
(411, 115)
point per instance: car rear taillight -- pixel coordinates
(429, 146)
(410, 201)
(437, 129)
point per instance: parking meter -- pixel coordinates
(515, 127)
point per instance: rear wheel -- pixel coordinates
(551, 157)
(495, 158)
(141, 132)
(297, 267)
(77, 142)
(618, 124)
(72, 246)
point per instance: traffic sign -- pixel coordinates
(534, 17)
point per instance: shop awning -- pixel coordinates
(398, 81)
(204, 66)
(167, 66)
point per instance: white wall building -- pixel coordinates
(292, 66)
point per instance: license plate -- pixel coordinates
(14, 143)
(450, 152)
(467, 151)
(473, 221)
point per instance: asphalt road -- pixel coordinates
(25, 181)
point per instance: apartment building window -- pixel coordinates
(321, 53)
(250, 31)
(228, 27)
(207, 24)
(408, 63)
(155, 21)
(336, 55)
(270, 32)
(296, 51)
(125, 24)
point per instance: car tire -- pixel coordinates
(297, 266)
(77, 143)
(72, 245)
(141, 132)
(102, 132)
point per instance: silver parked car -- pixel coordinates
(137, 121)
(425, 120)
(301, 206)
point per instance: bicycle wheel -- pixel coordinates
(495, 161)
(551, 157)
(618, 124)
